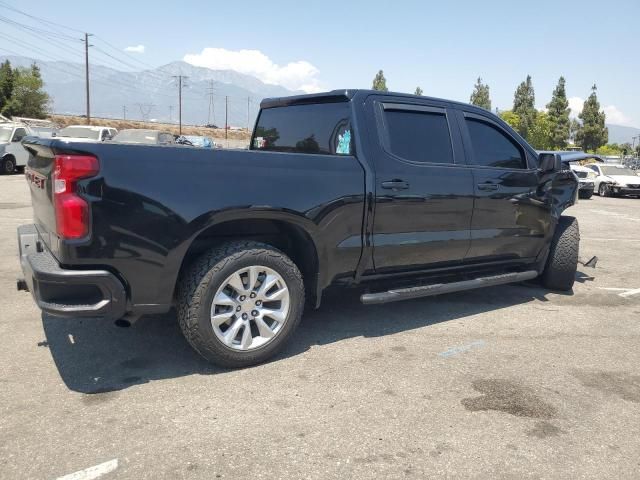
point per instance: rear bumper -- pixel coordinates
(63, 292)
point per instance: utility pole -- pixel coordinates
(226, 117)
(212, 111)
(180, 85)
(86, 74)
(124, 112)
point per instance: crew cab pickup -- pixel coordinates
(407, 196)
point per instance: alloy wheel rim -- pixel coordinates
(250, 308)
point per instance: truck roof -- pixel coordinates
(346, 95)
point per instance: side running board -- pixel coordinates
(439, 288)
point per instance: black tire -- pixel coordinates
(603, 190)
(8, 165)
(560, 271)
(200, 282)
(585, 194)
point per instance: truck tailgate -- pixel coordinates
(39, 175)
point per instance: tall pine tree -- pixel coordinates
(418, 91)
(6, 83)
(593, 133)
(480, 96)
(524, 106)
(379, 82)
(559, 110)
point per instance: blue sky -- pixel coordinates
(440, 46)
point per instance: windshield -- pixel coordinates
(5, 133)
(611, 170)
(78, 132)
(137, 136)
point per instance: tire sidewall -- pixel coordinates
(265, 258)
(8, 166)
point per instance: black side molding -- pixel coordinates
(440, 288)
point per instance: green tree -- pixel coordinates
(593, 133)
(559, 116)
(379, 82)
(480, 95)
(574, 126)
(626, 148)
(524, 101)
(609, 149)
(6, 83)
(418, 91)
(541, 132)
(28, 98)
(511, 118)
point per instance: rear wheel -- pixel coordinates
(560, 271)
(8, 165)
(239, 303)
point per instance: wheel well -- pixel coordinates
(9, 155)
(287, 237)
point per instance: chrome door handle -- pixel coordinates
(395, 184)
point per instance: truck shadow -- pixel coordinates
(97, 357)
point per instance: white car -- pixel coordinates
(12, 154)
(586, 180)
(615, 180)
(86, 133)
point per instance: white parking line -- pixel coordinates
(625, 292)
(92, 472)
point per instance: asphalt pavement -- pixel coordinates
(506, 382)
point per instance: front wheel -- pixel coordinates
(585, 194)
(239, 303)
(560, 271)
(603, 190)
(8, 165)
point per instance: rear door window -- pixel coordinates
(322, 128)
(418, 135)
(492, 147)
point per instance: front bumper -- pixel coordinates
(625, 190)
(586, 186)
(63, 292)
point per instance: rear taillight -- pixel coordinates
(72, 211)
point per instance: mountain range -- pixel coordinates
(153, 93)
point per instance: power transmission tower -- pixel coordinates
(124, 112)
(145, 110)
(86, 74)
(212, 111)
(181, 84)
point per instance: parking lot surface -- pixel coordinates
(505, 382)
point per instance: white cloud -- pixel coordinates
(613, 114)
(298, 75)
(135, 49)
(575, 104)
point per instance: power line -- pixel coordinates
(41, 20)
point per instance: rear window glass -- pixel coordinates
(322, 128)
(421, 137)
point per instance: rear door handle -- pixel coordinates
(487, 186)
(395, 184)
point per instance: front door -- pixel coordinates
(16, 149)
(512, 214)
(424, 201)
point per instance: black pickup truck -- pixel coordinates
(420, 195)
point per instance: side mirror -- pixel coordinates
(549, 162)
(17, 138)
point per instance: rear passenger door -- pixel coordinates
(512, 215)
(424, 191)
